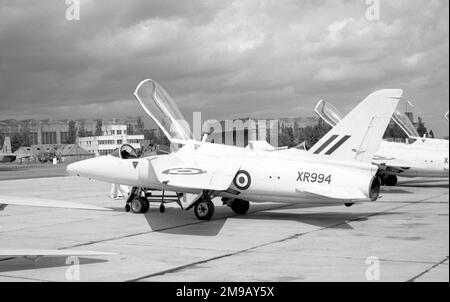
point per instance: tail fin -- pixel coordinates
(358, 135)
(7, 145)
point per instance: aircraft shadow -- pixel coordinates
(175, 221)
(426, 183)
(20, 264)
(333, 220)
(396, 191)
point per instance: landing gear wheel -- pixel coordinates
(162, 208)
(390, 180)
(240, 206)
(349, 204)
(139, 205)
(204, 209)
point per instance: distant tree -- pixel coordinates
(140, 126)
(393, 131)
(98, 128)
(2, 139)
(422, 130)
(21, 139)
(72, 135)
(162, 139)
(82, 131)
(130, 129)
(286, 138)
(26, 136)
(150, 135)
(16, 142)
(156, 137)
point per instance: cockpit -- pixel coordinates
(125, 152)
(157, 103)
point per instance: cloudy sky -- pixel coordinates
(259, 58)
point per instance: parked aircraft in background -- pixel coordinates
(424, 157)
(6, 155)
(338, 167)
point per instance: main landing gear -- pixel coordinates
(238, 206)
(139, 201)
(389, 180)
(204, 208)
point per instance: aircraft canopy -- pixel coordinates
(405, 124)
(157, 103)
(328, 113)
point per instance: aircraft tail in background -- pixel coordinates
(6, 146)
(359, 134)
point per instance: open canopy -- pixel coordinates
(405, 124)
(328, 113)
(157, 103)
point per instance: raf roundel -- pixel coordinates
(242, 180)
(184, 171)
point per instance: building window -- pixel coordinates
(119, 142)
(119, 132)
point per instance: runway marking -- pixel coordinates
(413, 279)
(295, 236)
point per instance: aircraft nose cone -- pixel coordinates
(73, 169)
(81, 168)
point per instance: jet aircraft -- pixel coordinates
(338, 167)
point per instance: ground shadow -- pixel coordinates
(175, 221)
(21, 263)
(425, 183)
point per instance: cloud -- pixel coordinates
(225, 58)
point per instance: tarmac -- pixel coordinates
(404, 236)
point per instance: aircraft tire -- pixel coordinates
(349, 204)
(390, 180)
(240, 206)
(139, 205)
(204, 209)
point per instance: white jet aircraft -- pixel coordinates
(338, 167)
(6, 155)
(424, 157)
